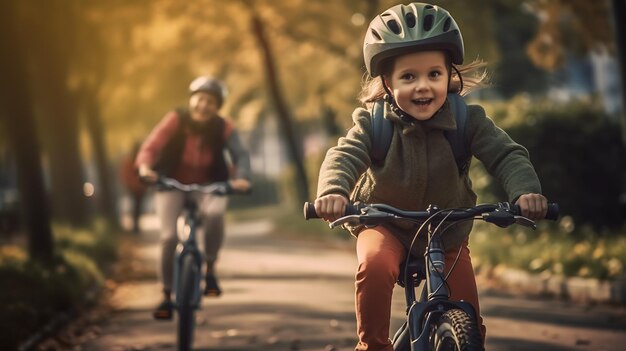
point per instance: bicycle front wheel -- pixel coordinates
(184, 297)
(455, 330)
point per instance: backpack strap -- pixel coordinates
(382, 131)
(457, 138)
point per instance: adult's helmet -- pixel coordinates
(408, 28)
(209, 85)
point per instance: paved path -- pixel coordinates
(288, 295)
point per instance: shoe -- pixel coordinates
(211, 288)
(164, 311)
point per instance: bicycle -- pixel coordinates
(188, 260)
(433, 322)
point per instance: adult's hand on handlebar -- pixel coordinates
(240, 185)
(533, 206)
(332, 206)
(147, 174)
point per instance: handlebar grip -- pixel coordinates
(552, 214)
(309, 210)
(553, 211)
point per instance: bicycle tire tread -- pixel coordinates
(185, 308)
(464, 329)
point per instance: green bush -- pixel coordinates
(579, 157)
(34, 293)
(98, 243)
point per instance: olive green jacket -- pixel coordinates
(420, 169)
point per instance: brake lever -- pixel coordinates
(504, 219)
(369, 217)
(352, 219)
(521, 220)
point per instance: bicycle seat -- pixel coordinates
(415, 269)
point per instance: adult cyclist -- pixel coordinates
(190, 145)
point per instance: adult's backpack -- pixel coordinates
(382, 131)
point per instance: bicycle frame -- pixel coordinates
(189, 247)
(422, 313)
(188, 258)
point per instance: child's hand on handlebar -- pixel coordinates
(533, 206)
(330, 207)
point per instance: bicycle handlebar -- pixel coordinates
(217, 188)
(502, 214)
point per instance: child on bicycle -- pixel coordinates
(412, 53)
(188, 145)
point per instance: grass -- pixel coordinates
(551, 250)
(33, 293)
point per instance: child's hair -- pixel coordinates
(372, 87)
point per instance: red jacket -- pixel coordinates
(196, 157)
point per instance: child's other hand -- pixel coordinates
(330, 207)
(533, 206)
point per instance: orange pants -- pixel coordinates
(379, 255)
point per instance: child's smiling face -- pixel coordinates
(419, 82)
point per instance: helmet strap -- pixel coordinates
(458, 74)
(394, 106)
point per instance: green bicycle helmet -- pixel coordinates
(408, 28)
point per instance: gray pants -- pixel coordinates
(169, 205)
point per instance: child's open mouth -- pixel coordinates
(422, 102)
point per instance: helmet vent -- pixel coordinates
(393, 25)
(375, 33)
(428, 7)
(410, 19)
(428, 22)
(446, 24)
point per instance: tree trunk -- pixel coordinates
(282, 110)
(63, 150)
(53, 39)
(19, 121)
(106, 192)
(619, 25)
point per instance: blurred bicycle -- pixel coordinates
(189, 260)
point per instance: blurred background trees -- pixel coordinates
(94, 77)
(83, 81)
